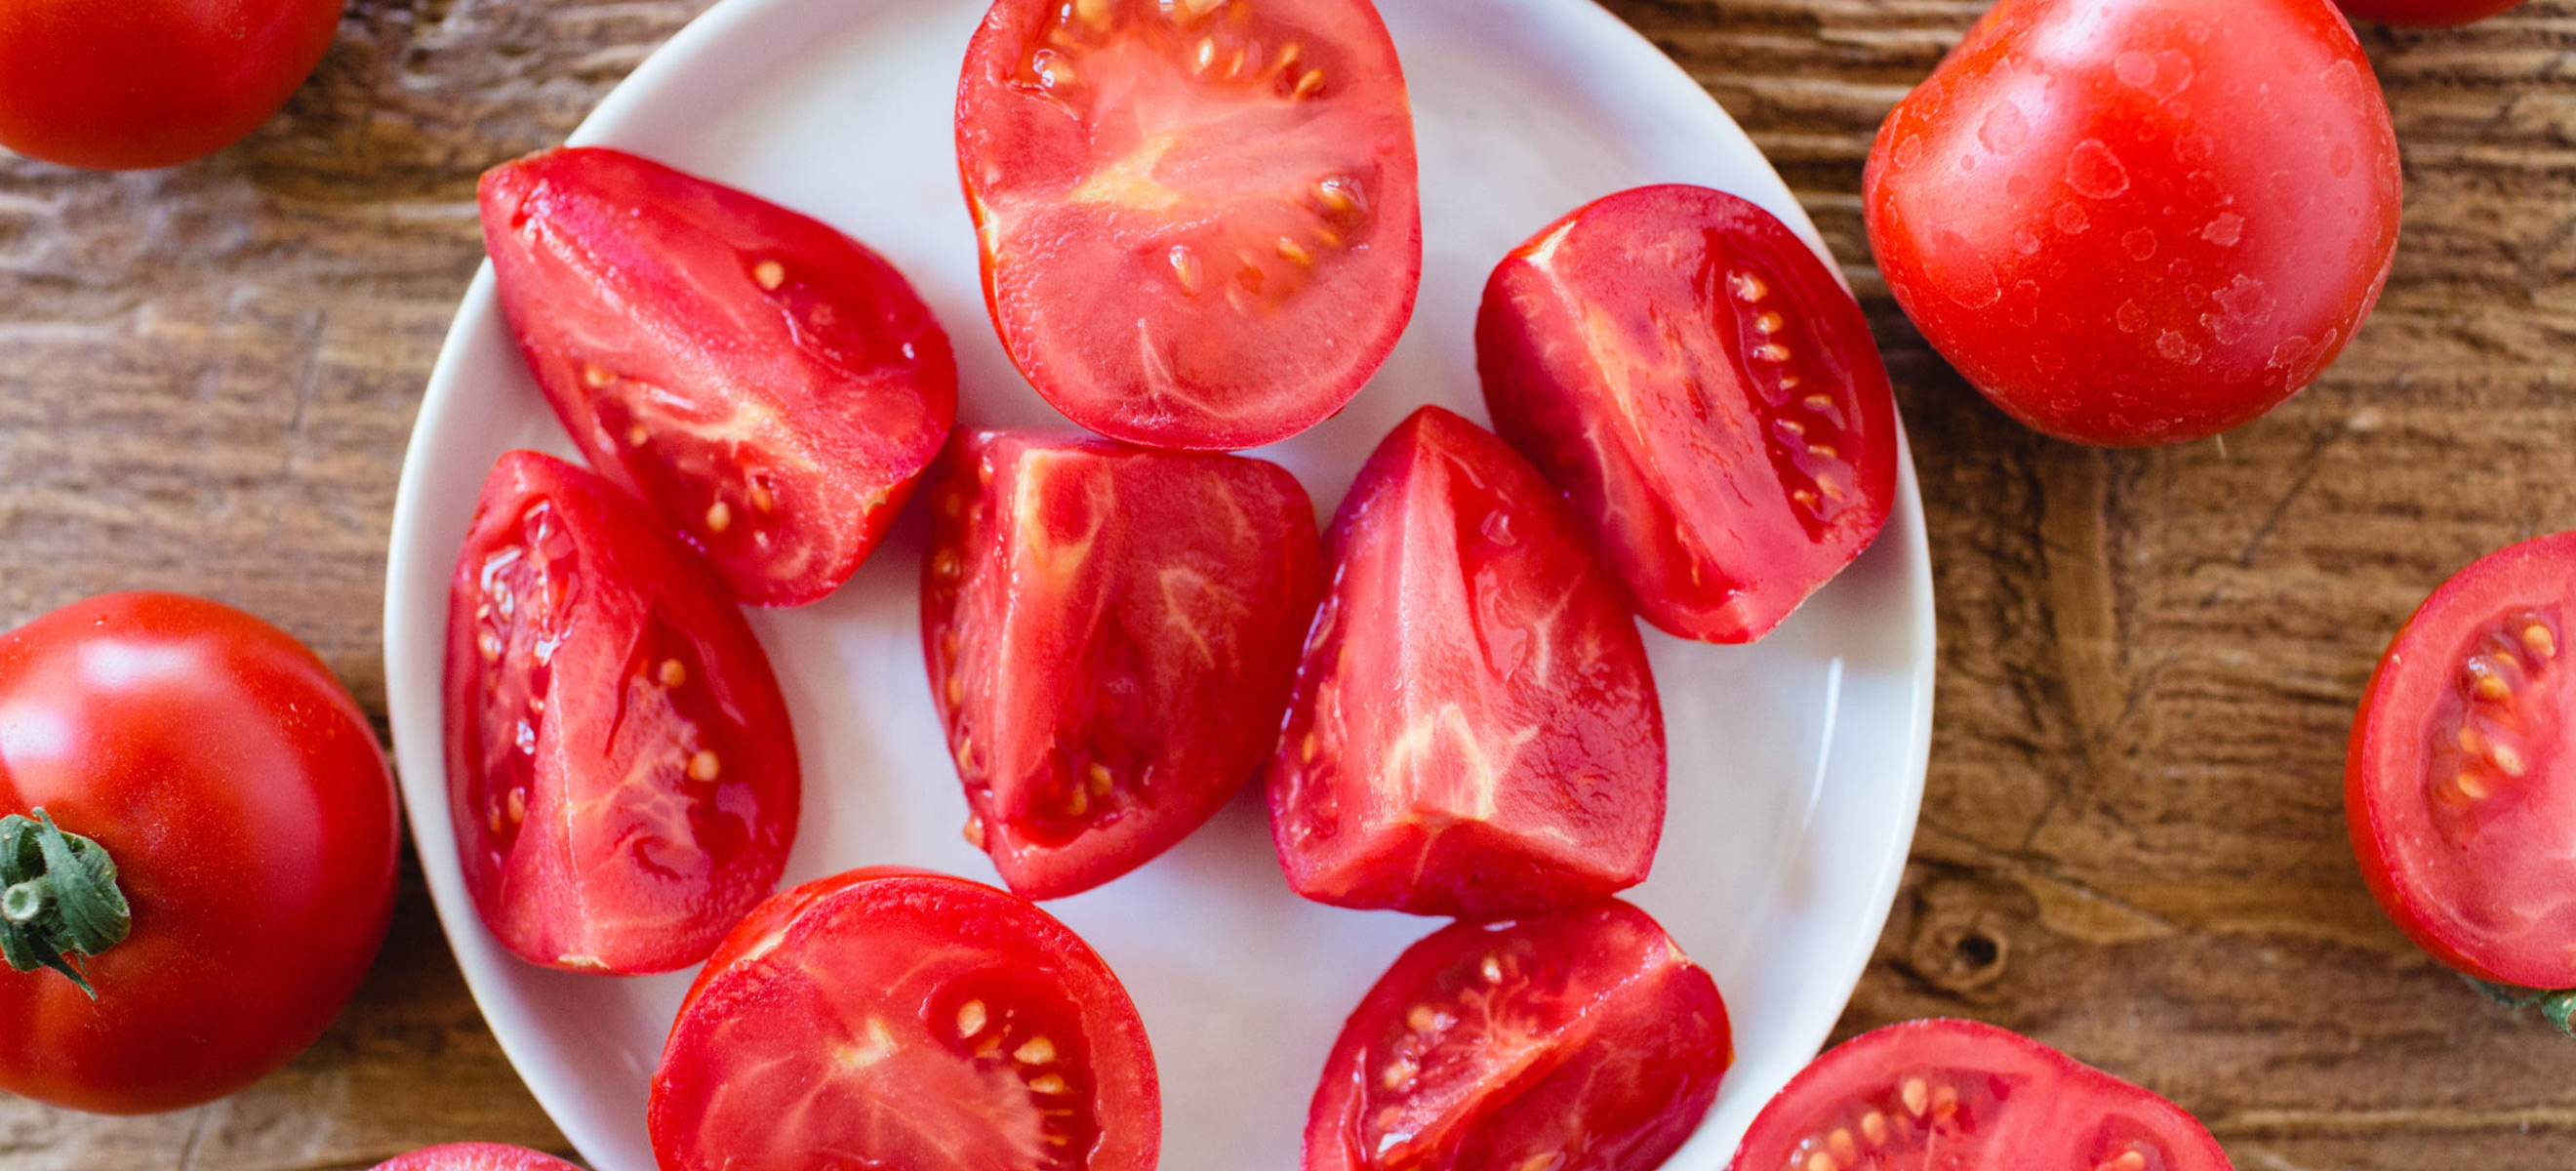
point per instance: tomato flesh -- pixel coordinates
(475, 1157)
(1952, 1095)
(1241, 173)
(621, 773)
(770, 386)
(223, 769)
(1111, 634)
(1578, 1041)
(1704, 393)
(1475, 730)
(2428, 13)
(2457, 788)
(892, 1018)
(2134, 222)
(151, 83)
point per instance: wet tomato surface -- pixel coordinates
(621, 773)
(1241, 172)
(1578, 1041)
(771, 386)
(1704, 392)
(1475, 729)
(2134, 222)
(897, 1018)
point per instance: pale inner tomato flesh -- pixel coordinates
(520, 619)
(1485, 1027)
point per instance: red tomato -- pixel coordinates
(1475, 730)
(771, 386)
(2454, 789)
(129, 84)
(1111, 634)
(1948, 1095)
(475, 1157)
(1199, 217)
(897, 1018)
(2133, 222)
(620, 768)
(2428, 13)
(246, 807)
(1717, 415)
(1580, 1041)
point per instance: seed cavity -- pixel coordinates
(769, 274)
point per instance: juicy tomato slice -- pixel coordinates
(2428, 13)
(1241, 172)
(1475, 730)
(2135, 222)
(621, 773)
(1111, 634)
(770, 386)
(475, 1157)
(1578, 1041)
(1706, 395)
(1953, 1095)
(2456, 789)
(897, 1018)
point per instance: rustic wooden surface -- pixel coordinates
(2132, 845)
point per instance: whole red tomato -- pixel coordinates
(2428, 13)
(2133, 222)
(250, 819)
(125, 84)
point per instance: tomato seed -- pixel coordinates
(636, 435)
(704, 766)
(1100, 779)
(1047, 1083)
(1821, 1161)
(516, 804)
(1770, 322)
(975, 838)
(719, 517)
(1309, 85)
(1422, 1019)
(1398, 1073)
(1036, 1051)
(1873, 1126)
(1205, 56)
(1293, 253)
(1095, 13)
(770, 274)
(2128, 1161)
(1185, 269)
(970, 1015)
(1945, 1102)
(1491, 969)
(672, 673)
(761, 498)
(1772, 352)
(2507, 761)
(1842, 1146)
(594, 377)
(1747, 287)
(1915, 1095)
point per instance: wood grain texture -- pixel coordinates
(2132, 843)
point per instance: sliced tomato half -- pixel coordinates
(1951, 1095)
(621, 773)
(1111, 634)
(2459, 787)
(897, 1018)
(1697, 383)
(475, 1157)
(1579, 1041)
(1199, 218)
(771, 386)
(1475, 730)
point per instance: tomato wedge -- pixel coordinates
(1705, 393)
(1199, 218)
(475, 1157)
(772, 387)
(1475, 730)
(2458, 787)
(1111, 634)
(1579, 1041)
(620, 768)
(1951, 1095)
(897, 1018)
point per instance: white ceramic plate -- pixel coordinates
(1797, 765)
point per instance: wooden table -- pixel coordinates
(2132, 845)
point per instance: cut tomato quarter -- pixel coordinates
(1475, 729)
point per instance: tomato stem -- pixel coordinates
(61, 898)
(2557, 1006)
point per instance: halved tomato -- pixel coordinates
(2459, 787)
(1951, 1095)
(772, 387)
(1111, 634)
(1579, 1041)
(1475, 730)
(620, 769)
(475, 1157)
(1199, 218)
(897, 1018)
(1702, 389)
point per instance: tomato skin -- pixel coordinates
(1265, 237)
(772, 387)
(2137, 222)
(475, 1157)
(152, 83)
(2428, 13)
(2474, 880)
(1616, 1046)
(1102, 706)
(621, 803)
(1992, 1100)
(1724, 484)
(1475, 729)
(251, 816)
(941, 937)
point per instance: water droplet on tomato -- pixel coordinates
(2096, 173)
